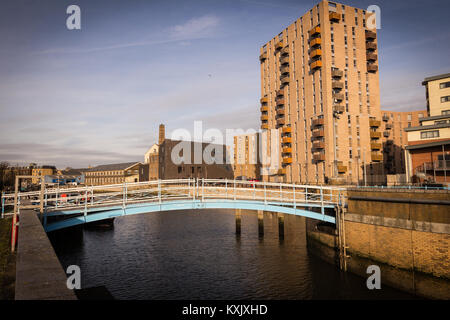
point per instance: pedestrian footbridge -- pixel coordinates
(66, 207)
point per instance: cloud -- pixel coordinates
(195, 28)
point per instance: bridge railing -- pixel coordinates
(86, 197)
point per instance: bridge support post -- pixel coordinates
(280, 225)
(238, 221)
(260, 223)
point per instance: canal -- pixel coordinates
(197, 255)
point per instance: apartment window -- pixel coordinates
(420, 115)
(409, 117)
(429, 134)
(445, 112)
(445, 99)
(444, 85)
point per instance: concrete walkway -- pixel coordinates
(39, 274)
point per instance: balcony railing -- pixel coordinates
(371, 46)
(318, 122)
(284, 80)
(319, 157)
(375, 146)
(263, 57)
(372, 57)
(341, 169)
(280, 93)
(370, 35)
(385, 117)
(280, 101)
(264, 117)
(287, 160)
(314, 31)
(265, 126)
(280, 112)
(316, 64)
(376, 157)
(437, 165)
(335, 73)
(375, 134)
(284, 70)
(264, 109)
(264, 100)
(338, 96)
(318, 133)
(372, 67)
(280, 122)
(286, 130)
(316, 53)
(281, 172)
(286, 140)
(287, 150)
(337, 85)
(335, 17)
(284, 61)
(319, 145)
(339, 108)
(279, 45)
(374, 123)
(388, 126)
(315, 42)
(285, 51)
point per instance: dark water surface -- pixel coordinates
(196, 255)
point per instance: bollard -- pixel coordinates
(238, 221)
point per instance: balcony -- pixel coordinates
(335, 73)
(372, 67)
(279, 45)
(371, 46)
(315, 53)
(284, 61)
(337, 85)
(316, 64)
(388, 126)
(286, 140)
(385, 117)
(338, 97)
(314, 31)
(371, 57)
(263, 57)
(287, 160)
(386, 134)
(280, 112)
(376, 157)
(285, 51)
(370, 35)
(281, 172)
(319, 157)
(264, 100)
(265, 126)
(339, 109)
(335, 17)
(280, 93)
(280, 122)
(284, 80)
(318, 122)
(341, 169)
(264, 117)
(280, 101)
(284, 70)
(375, 146)
(375, 134)
(286, 130)
(318, 133)
(319, 145)
(287, 150)
(315, 42)
(374, 123)
(264, 109)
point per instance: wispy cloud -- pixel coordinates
(193, 29)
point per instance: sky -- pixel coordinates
(97, 95)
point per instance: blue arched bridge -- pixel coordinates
(62, 208)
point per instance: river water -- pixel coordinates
(197, 255)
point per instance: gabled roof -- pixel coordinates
(114, 166)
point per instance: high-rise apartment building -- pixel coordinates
(320, 88)
(246, 150)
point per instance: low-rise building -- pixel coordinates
(113, 173)
(38, 171)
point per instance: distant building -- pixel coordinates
(438, 94)
(160, 164)
(246, 156)
(67, 176)
(113, 173)
(395, 139)
(427, 155)
(38, 171)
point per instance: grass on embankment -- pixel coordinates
(7, 261)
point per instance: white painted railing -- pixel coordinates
(86, 197)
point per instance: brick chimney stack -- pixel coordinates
(162, 134)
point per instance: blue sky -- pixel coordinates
(97, 95)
